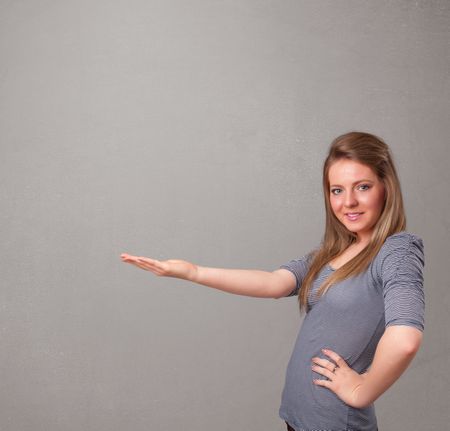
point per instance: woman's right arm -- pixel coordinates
(246, 282)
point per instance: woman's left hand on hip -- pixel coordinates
(344, 381)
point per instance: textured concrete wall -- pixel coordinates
(197, 130)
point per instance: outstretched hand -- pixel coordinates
(163, 268)
(344, 381)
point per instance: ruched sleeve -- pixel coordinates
(401, 271)
(299, 267)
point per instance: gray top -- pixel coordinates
(350, 320)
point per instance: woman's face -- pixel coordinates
(356, 196)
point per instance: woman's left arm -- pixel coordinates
(395, 351)
(400, 271)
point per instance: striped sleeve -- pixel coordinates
(402, 280)
(299, 267)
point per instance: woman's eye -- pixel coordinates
(367, 187)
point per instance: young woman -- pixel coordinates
(361, 289)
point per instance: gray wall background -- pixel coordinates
(197, 130)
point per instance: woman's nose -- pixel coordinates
(350, 200)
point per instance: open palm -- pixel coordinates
(164, 268)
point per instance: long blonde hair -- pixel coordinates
(372, 151)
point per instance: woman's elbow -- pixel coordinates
(414, 341)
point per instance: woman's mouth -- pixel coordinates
(353, 216)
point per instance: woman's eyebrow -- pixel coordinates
(356, 182)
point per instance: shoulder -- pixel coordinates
(397, 249)
(400, 243)
(298, 264)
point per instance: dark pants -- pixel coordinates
(289, 428)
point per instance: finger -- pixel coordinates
(145, 263)
(321, 382)
(133, 260)
(126, 257)
(139, 265)
(151, 263)
(130, 258)
(336, 358)
(324, 371)
(146, 259)
(157, 267)
(323, 362)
